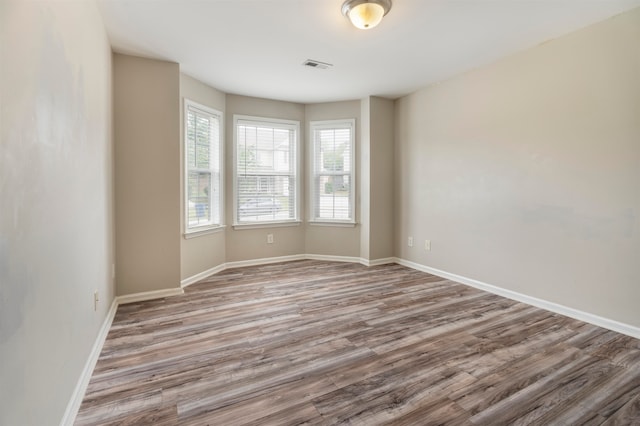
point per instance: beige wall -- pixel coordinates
(381, 197)
(147, 173)
(56, 208)
(376, 178)
(525, 173)
(331, 240)
(203, 252)
(364, 175)
(245, 244)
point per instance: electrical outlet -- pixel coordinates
(96, 299)
(269, 238)
(410, 241)
(427, 245)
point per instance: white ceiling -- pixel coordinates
(256, 47)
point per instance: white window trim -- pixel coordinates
(197, 231)
(272, 224)
(200, 232)
(332, 124)
(297, 172)
(337, 224)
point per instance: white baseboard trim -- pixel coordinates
(81, 387)
(149, 295)
(350, 259)
(331, 258)
(202, 275)
(263, 261)
(376, 262)
(607, 323)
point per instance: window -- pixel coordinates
(266, 170)
(203, 167)
(333, 187)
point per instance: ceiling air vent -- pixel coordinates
(311, 63)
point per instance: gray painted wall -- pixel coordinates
(147, 173)
(56, 208)
(525, 173)
(364, 183)
(382, 177)
(376, 178)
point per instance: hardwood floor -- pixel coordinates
(322, 343)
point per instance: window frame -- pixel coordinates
(194, 231)
(313, 191)
(293, 125)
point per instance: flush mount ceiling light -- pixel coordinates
(365, 14)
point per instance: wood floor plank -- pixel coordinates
(628, 414)
(323, 343)
(500, 385)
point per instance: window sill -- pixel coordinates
(335, 224)
(239, 226)
(200, 232)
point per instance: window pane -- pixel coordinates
(203, 141)
(265, 172)
(333, 199)
(332, 189)
(264, 138)
(191, 139)
(264, 198)
(203, 166)
(199, 198)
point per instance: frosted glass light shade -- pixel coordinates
(366, 14)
